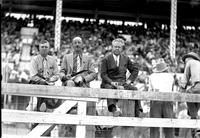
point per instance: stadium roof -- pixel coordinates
(133, 10)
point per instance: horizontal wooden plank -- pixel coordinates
(62, 92)
(24, 136)
(39, 117)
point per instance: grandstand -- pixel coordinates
(143, 24)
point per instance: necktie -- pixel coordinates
(45, 68)
(78, 63)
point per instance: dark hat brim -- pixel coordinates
(190, 56)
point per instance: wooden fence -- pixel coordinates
(74, 95)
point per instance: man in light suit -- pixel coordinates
(75, 63)
(113, 73)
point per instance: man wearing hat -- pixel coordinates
(191, 76)
(161, 81)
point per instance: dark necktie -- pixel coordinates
(45, 68)
(76, 63)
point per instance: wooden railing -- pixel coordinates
(82, 95)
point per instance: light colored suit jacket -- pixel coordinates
(87, 64)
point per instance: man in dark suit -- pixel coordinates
(113, 74)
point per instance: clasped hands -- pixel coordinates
(51, 81)
(128, 82)
(78, 80)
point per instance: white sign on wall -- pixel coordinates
(28, 31)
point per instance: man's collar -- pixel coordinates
(77, 54)
(43, 57)
(116, 55)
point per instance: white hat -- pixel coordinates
(160, 67)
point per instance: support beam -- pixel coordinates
(49, 118)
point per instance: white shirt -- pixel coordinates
(116, 58)
(191, 72)
(161, 82)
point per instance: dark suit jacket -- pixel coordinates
(110, 72)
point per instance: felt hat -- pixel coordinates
(191, 55)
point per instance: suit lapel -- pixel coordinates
(112, 60)
(121, 60)
(70, 60)
(84, 61)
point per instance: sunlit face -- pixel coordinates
(44, 49)
(117, 48)
(77, 44)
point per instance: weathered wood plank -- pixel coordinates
(39, 117)
(22, 136)
(41, 129)
(61, 92)
(80, 129)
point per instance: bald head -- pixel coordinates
(77, 44)
(77, 39)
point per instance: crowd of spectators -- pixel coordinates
(146, 46)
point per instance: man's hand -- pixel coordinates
(67, 77)
(182, 89)
(50, 83)
(114, 84)
(120, 87)
(53, 79)
(128, 81)
(79, 80)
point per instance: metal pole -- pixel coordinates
(173, 29)
(58, 25)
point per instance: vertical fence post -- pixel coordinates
(81, 130)
(173, 29)
(58, 25)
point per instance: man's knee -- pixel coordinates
(69, 83)
(108, 86)
(129, 87)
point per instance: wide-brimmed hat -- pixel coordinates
(191, 55)
(160, 67)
